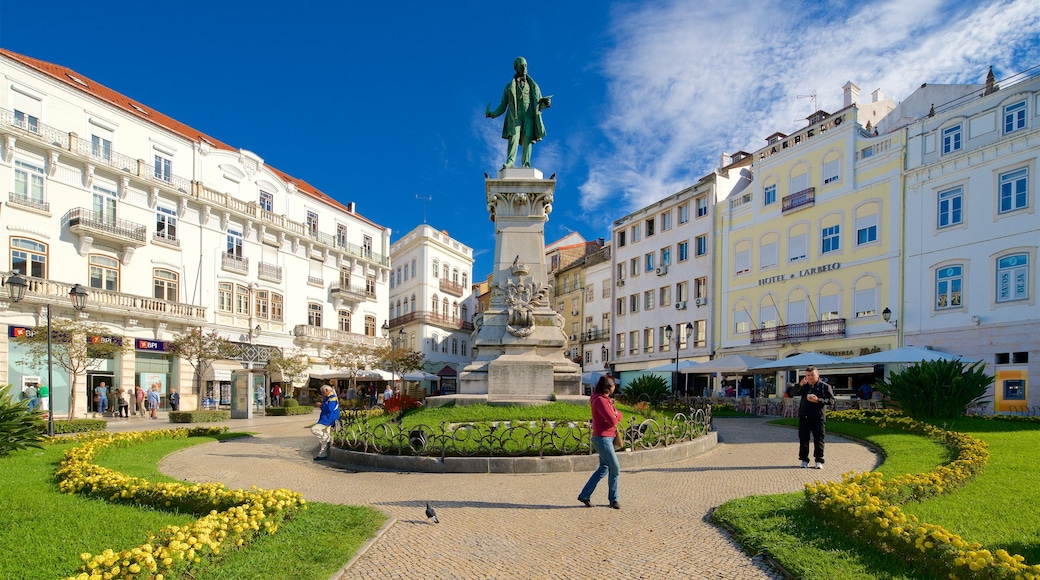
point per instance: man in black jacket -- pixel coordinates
(812, 415)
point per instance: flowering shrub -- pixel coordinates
(401, 403)
(229, 518)
(865, 504)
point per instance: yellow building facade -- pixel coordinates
(809, 255)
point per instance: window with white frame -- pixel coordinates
(621, 239)
(633, 303)
(101, 147)
(742, 260)
(344, 320)
(261, 304)
(741, 322)
(682, 291)
(767, 316)
(313, 314)
(413, 272)
(831, 170)
(684, 251)
(648, 340)
(164, 285)
(633, 342)
(29, 257)
(951, 139)
(366, 246)
(633, 266)
(684, 213)
(621, 271)
(341, 235)
(666, 256)
(635, 233)
(768, 254)
(798, 246)
(702, 205)
(266, 200)
(1015, 117)
(950, 207)
(166, 223)
(1014, 190)
(163, 168)
(225, 292)
(651, 229)
(649, 259)
(866, 229)
(831, 239)
(865, 302)
(27, 121)
(241, 299)
(28, 181)
(648, 300)
(769, 195)
(700, 287)
(104, 272)
(666, 221)
(104, 203)
(619, 306)
(797, 312)
(665, 296)
(948, 282)
(701, 245)
(312, 223)
(1013, 278)
(276, 307)
(234, 243)
(830, 307)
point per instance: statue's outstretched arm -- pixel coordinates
(501, 106)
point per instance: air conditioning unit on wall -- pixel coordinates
(680, 306)
(701, 301)
(662, 270)
(620, 282)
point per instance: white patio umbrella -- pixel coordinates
(670, 367)
(800, 361)
(903, 355)
(420, 376)
(734, 363)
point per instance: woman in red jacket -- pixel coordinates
(605, 419)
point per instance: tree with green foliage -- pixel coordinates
(404, 361)
(19, 429)
(200, 349)
(293, 368)
(352, 358)
(77, 346)
(649, 388)
(940, 389)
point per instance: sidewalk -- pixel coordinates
(531, 526)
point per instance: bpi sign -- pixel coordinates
(144, 344)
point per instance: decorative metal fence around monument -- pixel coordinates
(536, 438)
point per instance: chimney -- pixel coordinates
(851, 94)
(877, 96)
(350, 207)
(725, 160)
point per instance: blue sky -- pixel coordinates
(382, 103)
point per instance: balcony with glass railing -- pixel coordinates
(82, 221)
(800, 331)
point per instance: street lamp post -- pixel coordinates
(16, 285)
(678, 341)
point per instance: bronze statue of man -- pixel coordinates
(522, 103)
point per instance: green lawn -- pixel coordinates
(44, 531)
(998, 509)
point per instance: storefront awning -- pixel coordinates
(220, 370)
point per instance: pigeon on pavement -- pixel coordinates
(431, 515)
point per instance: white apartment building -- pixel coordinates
(662, 266)
(972, 232)
(431, 303)
(170, 229)
(598, 291)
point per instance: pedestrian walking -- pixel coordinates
(154, 397)
(139, 397)
(124, 404)
(175, 401)
(605, 419)
(812, 415)
(329, 415)
(100, 399)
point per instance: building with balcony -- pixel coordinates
(661, 271)
(565, 261)
(972, 231)
(432, 302)
(170, 229)
(595, 306)
(808, 256)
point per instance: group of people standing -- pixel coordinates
(37, 397)
(119, 400)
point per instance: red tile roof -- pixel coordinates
(144, 112)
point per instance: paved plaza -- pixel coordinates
(530, 526)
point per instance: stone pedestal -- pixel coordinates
(518, 342)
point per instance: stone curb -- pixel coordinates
(364, 548)
(519, 465)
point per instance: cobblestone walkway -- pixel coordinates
(531, 526)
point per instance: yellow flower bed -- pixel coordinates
(866, 505)
(229, 518)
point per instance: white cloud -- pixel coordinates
(688, 81)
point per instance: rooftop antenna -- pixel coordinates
(811, 96)
(425, 199)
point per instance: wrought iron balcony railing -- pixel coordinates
(799, 331)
